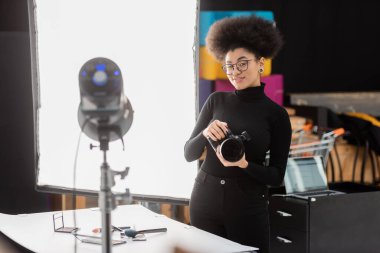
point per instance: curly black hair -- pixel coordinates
(252, 33)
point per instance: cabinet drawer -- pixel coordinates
(288, 214)
(284, 240)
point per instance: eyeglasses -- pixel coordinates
(241, 65)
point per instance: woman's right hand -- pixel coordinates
(216, 130)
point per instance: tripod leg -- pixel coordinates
(372, 158)
(355, 161)
(365, 153)
(332, 168)
(339, 164)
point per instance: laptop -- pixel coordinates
(305, 178)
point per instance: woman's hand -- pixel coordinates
(242, 163)
(216, 130)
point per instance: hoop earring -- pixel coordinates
(261, 70)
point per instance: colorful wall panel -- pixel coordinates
(206, 87)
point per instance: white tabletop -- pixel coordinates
(35, 232)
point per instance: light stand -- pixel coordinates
(107, 200)
(107, 114)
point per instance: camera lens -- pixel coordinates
(232, 149)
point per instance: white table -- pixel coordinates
(35, 232)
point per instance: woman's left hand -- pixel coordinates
(242, 163)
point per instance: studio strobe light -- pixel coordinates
(103, 103)
(104, 114)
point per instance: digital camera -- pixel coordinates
(232, 146)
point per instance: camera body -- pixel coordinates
(232, 146)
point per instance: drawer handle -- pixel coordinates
(283, 240)
(284, 214)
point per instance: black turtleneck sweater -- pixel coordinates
(266, 122)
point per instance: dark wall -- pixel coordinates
(14, 16)
(17, 175)
(330, 45)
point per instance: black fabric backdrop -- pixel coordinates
(330, 45)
